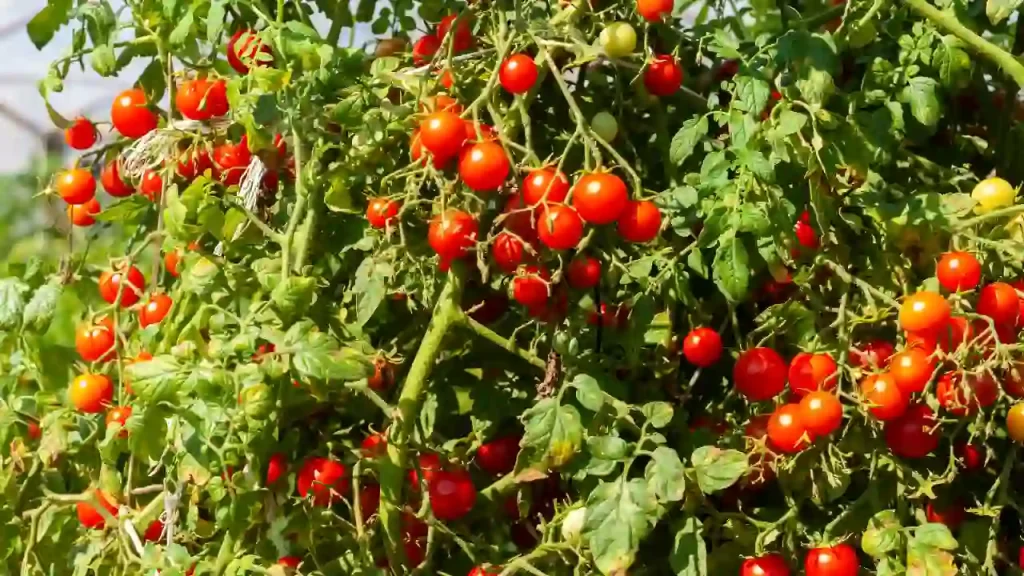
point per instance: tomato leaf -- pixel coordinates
(882, 535)
(317, 355)
(132, 210)
(588, 392)
(953, 63)
(920, 95)
(935, 535)
(687, 138)
(619, 515)
(42, 27)
(40, 308)
(158, 379)
(731, 269)
(293, 294)
(689, 556)
(999, 10)
(658, 414)
(717, 469)
(666, 475)
(12, 302)
(751, 94)
(607, 447)
(553, 432)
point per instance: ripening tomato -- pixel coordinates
(992, 194)
(246, 49)
(119, 414)
(95, 342)
(873, 354)
(618, 39)
(171, 261)
(230, 161)
(884, 398)
(663, 75)
(194, 162)
(463, 37)
(130, 114)
(452, 494)
(702, 347)
(530, 286)
(383, 375)
(424, 49)
(838, 560)
(999, 302)
(483, 166)
(452, 234)
(151, 185)
(1013, 383)
(110, 285)
(809, 372)
(821, 412)
(91, 393)
(87, 514)
(912, 369)
(970, 456)
(518, 73)
(786, 431)
(767, 565)
(323, 479)
(202, 99)
(381, 212)
(155, 310)
(83, 214)
(640, 222)
(374, 445)
(446, 79)
(290, 561)
(654, 10)
(924, 312)
(81, 135)
(443, 133)
(112, 182)
(486, 134)
(76, 186)
(600, 198)
(481, 571)
(958, 271)
(914, 434)
(962, 396)
(34, 431)
(498, 457)
(154, 531)
(545, 184)
(1015, 422)
(508, 251)
(759, 374)
(559, 227)
(952, 515)
(276, 467)
(584, 272)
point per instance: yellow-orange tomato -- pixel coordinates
(924, 312)
(1015, 423)
(912, 369)
(91, 393)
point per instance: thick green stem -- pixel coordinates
(993, 215)
(392, 472)
(298, 210)
(225, 554)
(492, 336)
(948, 22)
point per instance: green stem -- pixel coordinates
(492, 336)
(225, 554)
(948, 22)
(334, 34)
(392, 472)
(1009, 211)
(299, 209)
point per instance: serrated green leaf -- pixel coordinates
(882, 535)
(920, 95)
(751, 94)
(588, 392)
(791, 122)
(12, 302)
(686, 139)
(666, 475)
(159, 379)
(934, 535)
(717, 469)
(293, 294)
(689, 556)
(40, 308)
(953, 63)
(731, 269)
(619, 515)
(553, 432)
(607, 447)
(183, 27)
(658, 414)
(42, 27)
(132, 210)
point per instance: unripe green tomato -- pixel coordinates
(561, 344)
(618, 40)
(605, 126)
(257, 401)
(572, 525)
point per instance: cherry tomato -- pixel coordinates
(76, 186)
(89, 517)
(759, 374)
(154, 531)
(924, 312)
(821, 412)
(702, 347)
(446, 79)
(786, 430)
(416, 152)
(276, 467)
(91, 393)
(452, 234)
(498, 457)
(172, 260)
(483, 166)
(383, 375)
(110, 282)
(230, 161)
(155, 309)
(914, 434)
(961, 399)
(151, 185)
(369, 500)
(487, 133)
(654, 10)
(119, 414)
(429, 464)
(640, 222)
(992, 194)
(290, 561)
(381, 212)
(323, 478)
(584, 272)
(508, 251)
(605, 126)
(246, 49)
(806, 235)
(809, 372)
(34, 431)
(481, 571)
(1015, 422)
(443, 133)
(958, 271)
(194, 162)
(618, 39)
(767, 565)
(519, 219)
(1013, 384)
(81, 135)
(463, 37)
(600, 198)
(82, 214)
(202, 99)
(970, 456)
(131, 115)
(999, 302)
(530, 286)
(95, 342)
(452, 494)
(112, 182)
(884, 398)
(952, 515)
(838, 560)
(424, 49)
(518, 73)
(912, 369)
(663, 75)
(873, 354)
(608, 316)
(374, 445)
(955, 333)
(545, 184)
(559, 227)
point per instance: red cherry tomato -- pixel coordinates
(463, 39)
(246, 49)
(119, 414)
(821, 412)
(95, 342)
(519, 219)
(640, 222)
(484, 166)
(786, 430)
(530, 287)
(202, 99)
(81, 135)
(112, 182)
(545, 184)
(424, 49)
(452, 234)
(276, 467)
(324, 479)
(999, 302)
(155, 310)
(83, 214)
(759, 374)
(446, 79)
(110, 284)
(154, 531)
(767, 565)
(952, 514)
(962, 399)
(381, 212)
(958, 271)
(443, 133)
(452, 494)
(76, 186)
(151, 185)
(874, 354)
(600, 198)
(914, 434)
(230, 161)
(508, 251)
(809, 372)
(838, 560)
(34, 431)
(912, 370)
(481, 571)
(654, 10)
(970, 456)
(131, 115)
(429, 464)
(194, 162)
(89, 517)
(518, 73)
(91, 393)
(584, 272)
(498, 456)
(559, 227)
(663, 75)
(702, 347)
(374, 445)
(924, 312)
(806, 235)
(884, 398)
(369, 500)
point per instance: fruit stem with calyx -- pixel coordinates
(948, 22)
(392, 472)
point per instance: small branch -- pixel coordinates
(1002, 212)
(269, 232)
(495, 338)
(299, 209)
